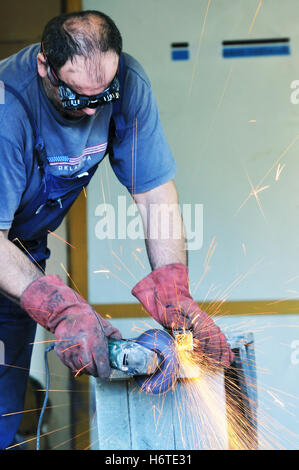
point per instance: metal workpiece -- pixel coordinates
(214, 409)
(158, 361)
(239, 340)
(241, 391)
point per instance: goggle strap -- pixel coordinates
(52, 76)
(51, 72)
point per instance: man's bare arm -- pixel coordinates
(164, 293)
(17, 271)
(163, 225)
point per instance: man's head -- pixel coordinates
(82, 50)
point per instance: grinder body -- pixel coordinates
(152, 358)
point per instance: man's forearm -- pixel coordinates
(162, 252)
(17, 270)
(165, 241)
(163, 226)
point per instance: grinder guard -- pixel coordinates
(165, 376)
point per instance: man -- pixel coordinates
(59, 100)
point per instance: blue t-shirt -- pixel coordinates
(141, 161)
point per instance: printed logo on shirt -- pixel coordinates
(63, 162)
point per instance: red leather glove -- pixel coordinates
(80, 332)
(164, 293)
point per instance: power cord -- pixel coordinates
(38, 431)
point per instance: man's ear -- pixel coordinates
(41, 65)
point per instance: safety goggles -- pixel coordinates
(71, 100)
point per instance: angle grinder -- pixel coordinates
(152, 358)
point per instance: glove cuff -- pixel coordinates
(166, 279)
(163, 288)
(44, 299)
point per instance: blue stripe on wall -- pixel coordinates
(180, 54)
(231, 52)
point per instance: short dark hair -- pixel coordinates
(67, 35)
